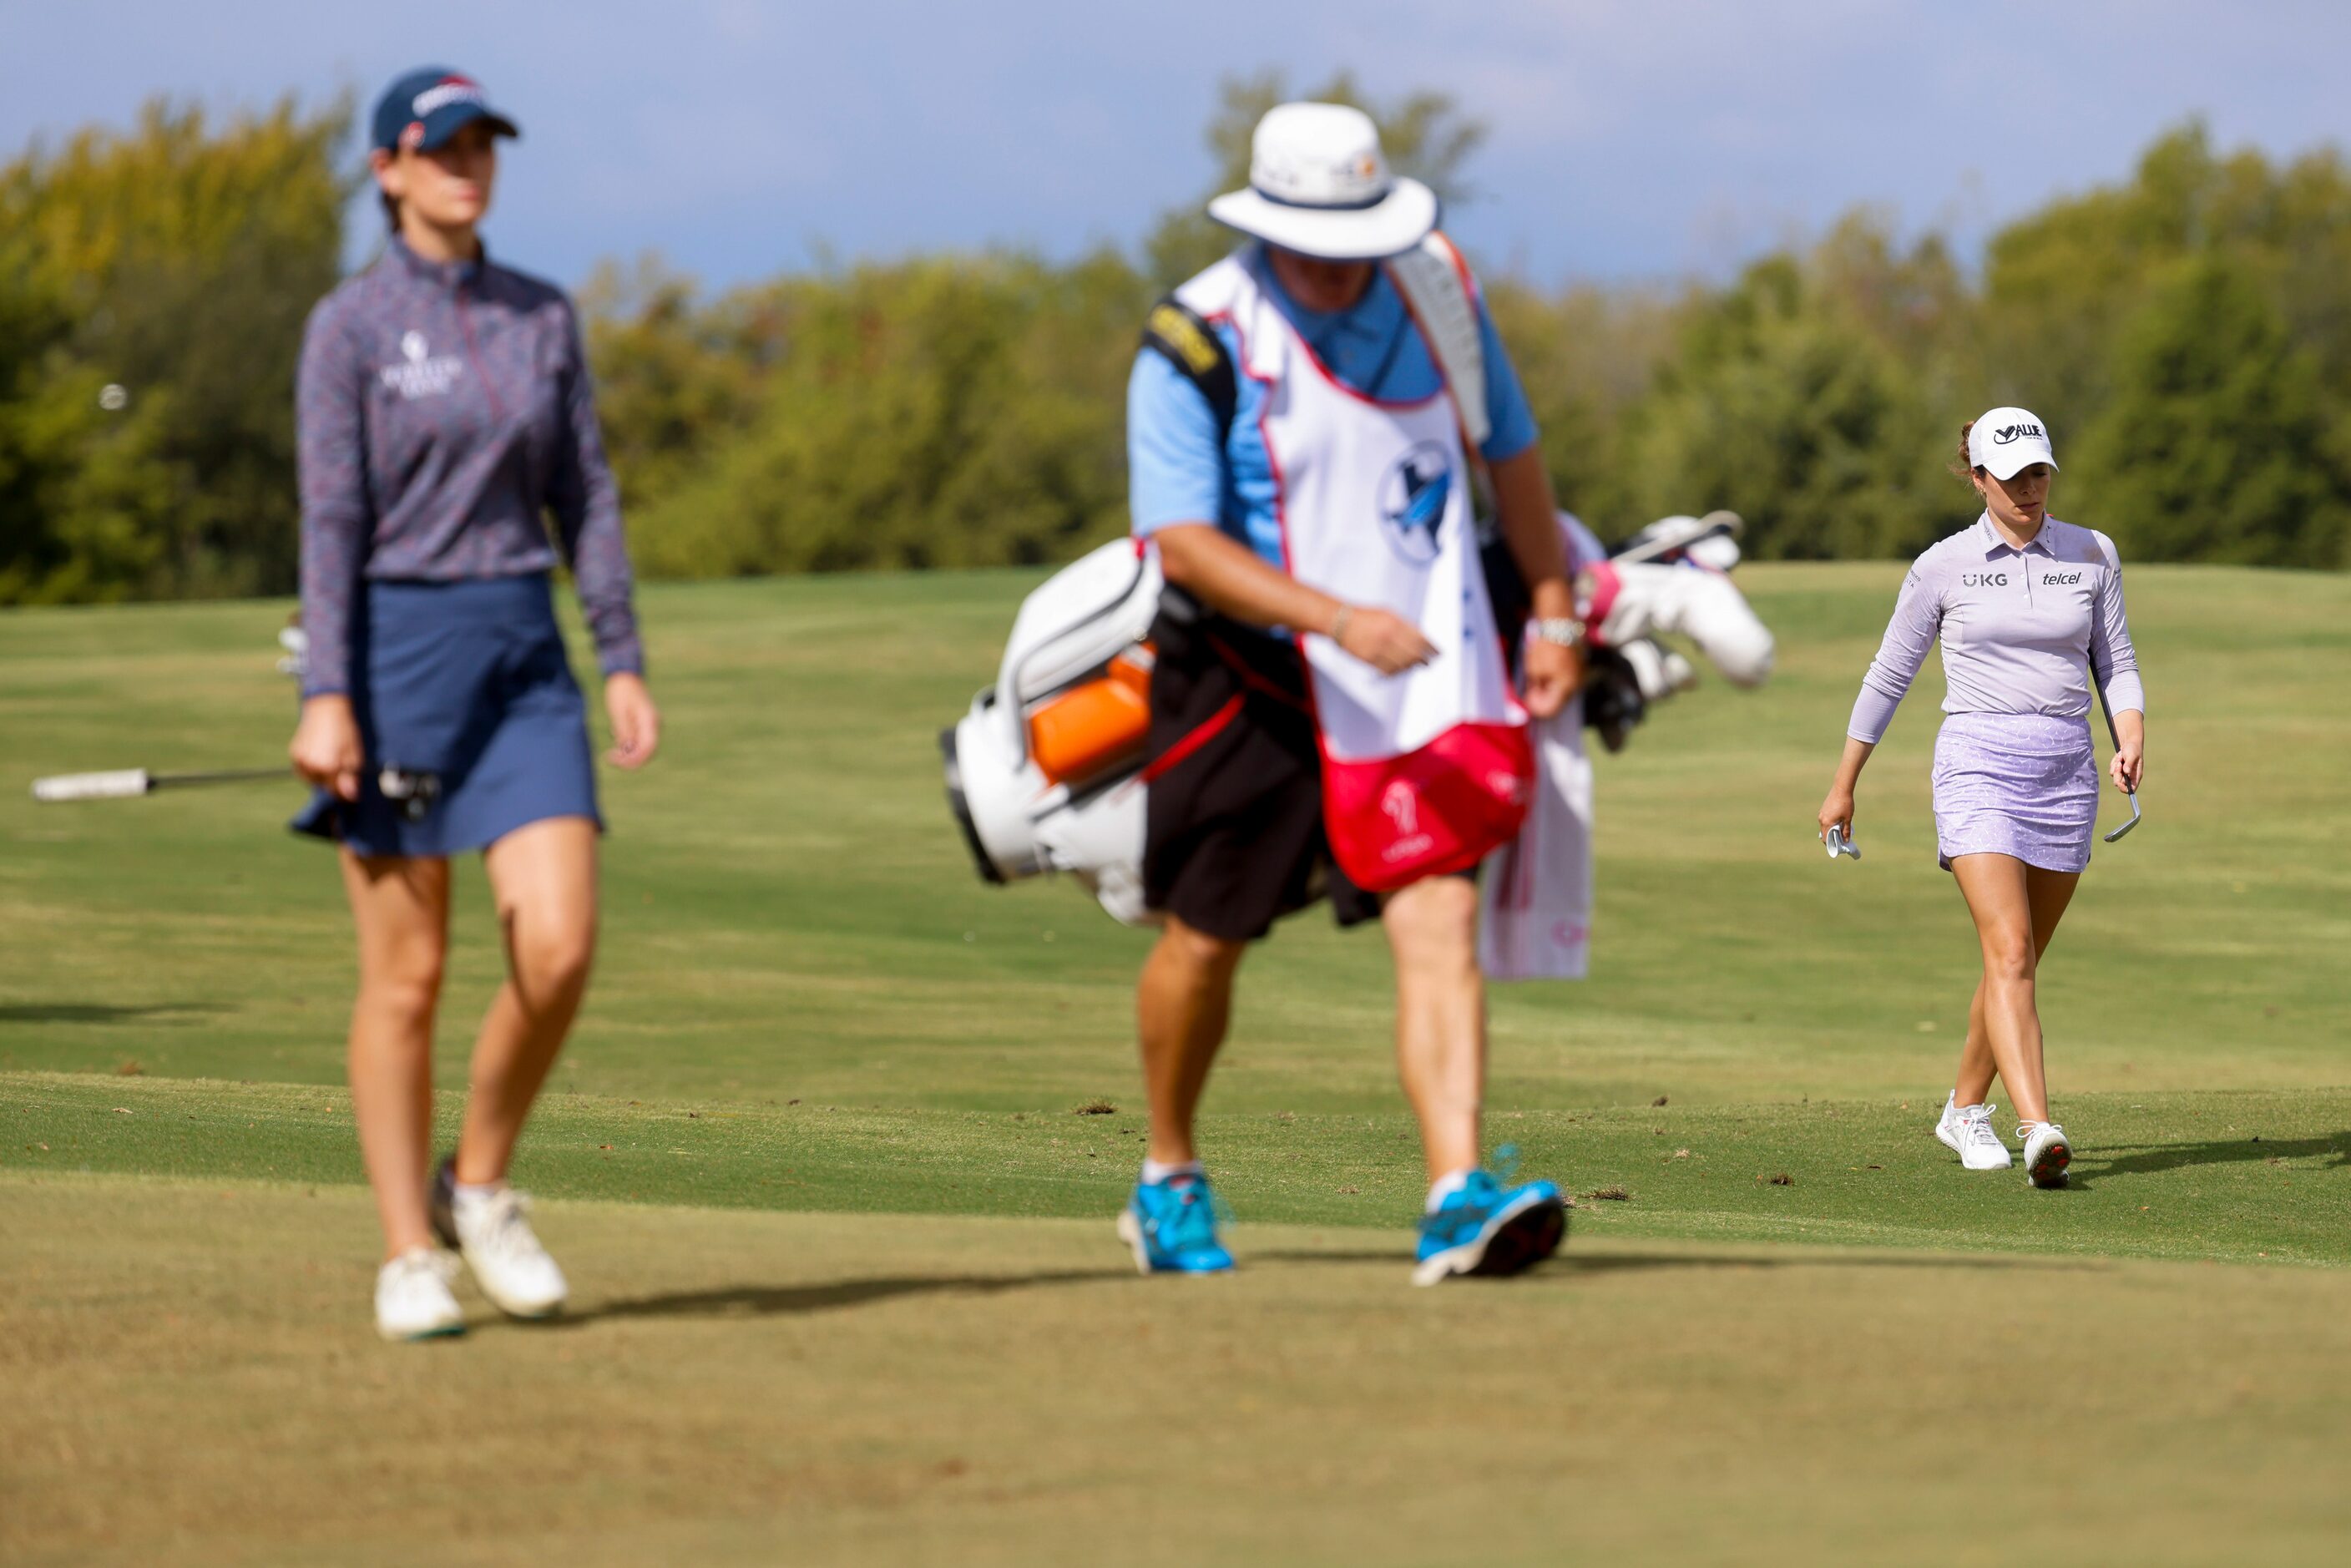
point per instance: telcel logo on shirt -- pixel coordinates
(1984, 579)
(419, 374)
(2060, 579)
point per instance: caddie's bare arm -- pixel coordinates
(1228, 576)
(1530, 517)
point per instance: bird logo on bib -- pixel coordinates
(1424, 772)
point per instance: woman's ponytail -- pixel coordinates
(1964, 468)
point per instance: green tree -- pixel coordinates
(184, 254)
(80, 482)
(2217, 441)
(1810, 398)
(940, 413)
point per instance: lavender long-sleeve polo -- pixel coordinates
(443, 412)
(2022, 629)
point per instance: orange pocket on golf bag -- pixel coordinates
(1093, 726)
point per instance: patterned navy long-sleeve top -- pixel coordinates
(443, 413)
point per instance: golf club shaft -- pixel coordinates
(223, 776)
(2115, 735)
(122, 784)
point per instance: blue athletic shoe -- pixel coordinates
(1172, 1225)
(1485, 1228)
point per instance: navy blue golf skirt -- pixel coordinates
(469, 715)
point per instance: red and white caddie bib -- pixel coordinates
(1425, 772)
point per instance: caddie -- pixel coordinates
(1331, 712)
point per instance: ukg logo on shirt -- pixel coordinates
(419, 373)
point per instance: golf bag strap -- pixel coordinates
(1185, 340)
(1436, 286)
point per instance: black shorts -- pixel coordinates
(1234, 833)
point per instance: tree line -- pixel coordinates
(2185, 331)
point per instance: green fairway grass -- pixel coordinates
(790, 909)
(754, 1388)
(807, 1004)
(2238, 1176)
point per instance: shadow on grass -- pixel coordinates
(791, 1300)
(787, 1301)
(1568, 1261)
(2148, 1159)
(99, 1013)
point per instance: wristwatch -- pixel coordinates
(1565, 631)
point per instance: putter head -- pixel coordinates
(2127, 826)
(1839, 845)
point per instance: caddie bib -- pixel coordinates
(1422, 772)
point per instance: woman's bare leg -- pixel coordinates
(1999, 896)
(401, 905)
(543, 877)
(2048, 893)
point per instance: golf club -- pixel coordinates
(2114, 736)
(125, 782)
(1841, 845)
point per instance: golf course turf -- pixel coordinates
(829, 1165)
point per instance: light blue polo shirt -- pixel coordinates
(1182, 469)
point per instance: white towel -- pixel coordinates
(1536, 891)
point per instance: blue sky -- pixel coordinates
(1628, 140)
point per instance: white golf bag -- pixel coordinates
(1045, 772)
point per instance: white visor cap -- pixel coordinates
(2006, 441)
(1319, 185)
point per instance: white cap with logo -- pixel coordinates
(1319, 185)
(2005, 441)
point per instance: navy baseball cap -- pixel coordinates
(423, 108)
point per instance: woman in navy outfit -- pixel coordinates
(446, 421)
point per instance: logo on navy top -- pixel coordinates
(2010, 432)
(1412, 498)
(419, 374)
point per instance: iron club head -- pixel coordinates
(1839, 844)
(2132, 797)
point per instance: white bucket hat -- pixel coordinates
(1319, 185)
(2006, 441)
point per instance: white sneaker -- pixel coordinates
(2047, 1152)
(1967, 1131)
(513, 1270)
(412, 1299)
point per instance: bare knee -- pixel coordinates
(550, 960)
(402, 986)
(1198, 951)
(1432, 926)
(2008, 958)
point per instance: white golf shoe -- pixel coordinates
(412, 1299)
(497, 1241)
(2047, 1152)
(1967, 1131)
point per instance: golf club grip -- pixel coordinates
(120, 784)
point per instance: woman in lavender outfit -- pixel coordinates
(445, 419)
(2029, 611)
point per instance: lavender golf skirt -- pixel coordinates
(2015, 784)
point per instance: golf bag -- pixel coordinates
(1044, 773)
